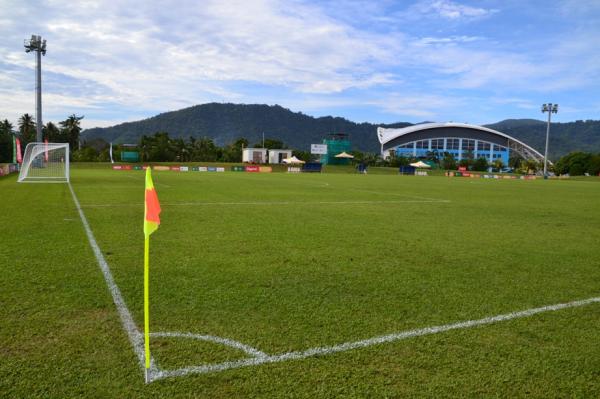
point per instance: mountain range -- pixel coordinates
(225, 123)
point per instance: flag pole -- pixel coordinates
(147, 306)
(151, 223)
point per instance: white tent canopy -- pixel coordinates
(344, 155)
(293, 160)
(420, 164)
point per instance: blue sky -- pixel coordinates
(376, 61)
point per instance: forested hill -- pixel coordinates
(224, 123)
(564, 137)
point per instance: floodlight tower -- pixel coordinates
(550, 109)
(39, 46)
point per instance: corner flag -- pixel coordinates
(151, 222)
(152, 207)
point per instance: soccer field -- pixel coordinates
(302, 285)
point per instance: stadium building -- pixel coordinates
(459, 139)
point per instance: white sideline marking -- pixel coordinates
(135, 336)
(215, 367)
(218, 340)
(419, 201)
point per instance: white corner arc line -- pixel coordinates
(135, 336)
(211, 338)
(216, 367)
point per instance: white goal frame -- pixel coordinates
(45, 163)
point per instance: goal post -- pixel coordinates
(45, 163)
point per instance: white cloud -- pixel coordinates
(452, 10)
(150, 58)
(416, 104)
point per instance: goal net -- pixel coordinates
(45, 163)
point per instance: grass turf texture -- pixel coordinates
(289, 262)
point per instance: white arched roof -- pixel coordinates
(386, 135)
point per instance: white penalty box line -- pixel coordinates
(257, 357)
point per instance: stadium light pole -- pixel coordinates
(39, 46)
(550, 109)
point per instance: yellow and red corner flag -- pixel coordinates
(152, 207)
(151, 222)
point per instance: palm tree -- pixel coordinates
(71, 128)
(6, 143)
(27, 128)
(6, 127)
(51, 133)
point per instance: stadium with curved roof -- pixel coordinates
(459, 139)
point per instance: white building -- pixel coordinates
(277, 156)
(254, 155)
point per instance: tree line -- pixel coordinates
(67, 131)
(160, 147)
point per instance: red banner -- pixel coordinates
(19, 158)
(175, 168)
(252, 168)
(462, 168)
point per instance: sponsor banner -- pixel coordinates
(138, 167)
(117, 167)
(195, 169)
(458, 174)
(160, 167)
(294, 169)
(202, 169)
(318, 149)
(7, 168)
(265, 169)
(465, 174)
(462, 168)
(126, 167)
(184, 169)
(237, 168)
(175, 168)
(507, 177)
(475, 176)
(251, 168)
(211, 168)
(19, 157)
(220, 169)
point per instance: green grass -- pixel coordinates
(289, 262)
